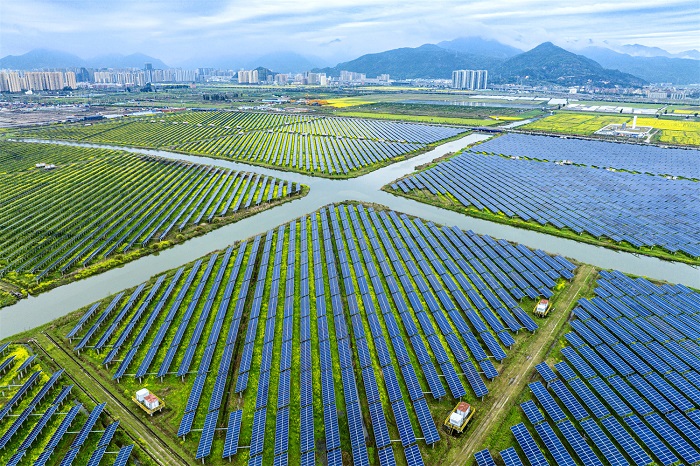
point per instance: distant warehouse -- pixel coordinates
(470, 79)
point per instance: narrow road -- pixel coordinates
(520, 374)
(159, 450)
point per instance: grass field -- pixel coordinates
(291, 263)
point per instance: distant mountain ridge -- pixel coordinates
(545, 64)
(548, 63)
(637, 50)
(426, 61)
(38, 59)
(479, 46)
(655, 69)
(506, 64)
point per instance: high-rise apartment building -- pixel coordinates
(10, 82)
(248, 77)
(470, 79)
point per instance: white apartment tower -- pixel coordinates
(470, 79)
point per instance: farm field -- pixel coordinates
(46, 419)
(622, 386)
(423, 108)
(681, 132)
(321, 340)
(422, 118)
(583, 202)
(327, 146)
(100, 208)
(584, 124)
(672, 131)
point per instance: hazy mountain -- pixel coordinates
(285, 62)
(426, 61)
(548, 63)
(637, 50)
(654, 69)
(691, 54)
(115, 60)
(479, 46)
(45, 58)
(41, 58)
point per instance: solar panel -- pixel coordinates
(578, 444)
(510, 457)
(308, 459)
(207, 435)
(610, 397)
(282, 431)
(232, 433)
(571, 403)
(626, 441)
(386, 457)
(528, 445)
(379, 426)
(426, 422)
(648, 438)
(258, 433)
(603, 443)
(532, 412)
(565, 370)
(484, 458)
(578, 362)
(669, 392)
(413, 456)
(678, 443)
(123, 456)
(547, 402)
(546, 372)
(87, 427)
(589, 399)
(554, 445)
(403, 423)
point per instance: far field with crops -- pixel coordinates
(685, 132)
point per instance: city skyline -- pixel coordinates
(179, 33)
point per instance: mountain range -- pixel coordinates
(38, 59)
(628, 65)
(545, 64)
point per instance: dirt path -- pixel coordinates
(158, 448)
(517, 374)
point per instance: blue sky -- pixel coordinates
(178, 31)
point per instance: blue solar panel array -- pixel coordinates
(403, 310)
(637, 209)
(634, 386)
(634, 157)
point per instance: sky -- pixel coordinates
(193, 32)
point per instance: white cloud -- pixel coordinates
(178, 30)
